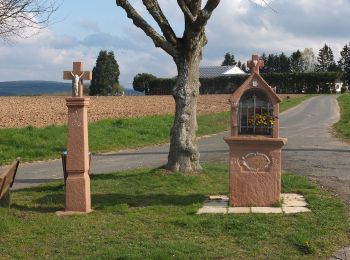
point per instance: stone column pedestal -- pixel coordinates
(255, 170)
(78, 197)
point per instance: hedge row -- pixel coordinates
(285, 82)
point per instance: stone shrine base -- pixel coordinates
(291, 204)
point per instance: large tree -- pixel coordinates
(229, 60)
(309, 60)
(186, 51)
(105, 74)
(325, 60)
(296, 62)
(23, 18)
(344, 63)
(141, 82)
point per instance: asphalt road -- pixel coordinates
(312, 151)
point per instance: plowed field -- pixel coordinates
(41, 111)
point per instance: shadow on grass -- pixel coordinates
(100, 201)
(121, 175)
(39, 209)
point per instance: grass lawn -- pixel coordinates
(150, 214)
(343, 126)
(106, 135)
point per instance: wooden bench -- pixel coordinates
(7, 178)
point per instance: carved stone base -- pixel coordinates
(78, 197)
(255, 170)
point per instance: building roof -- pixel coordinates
(217, 71)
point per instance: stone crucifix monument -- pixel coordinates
(78, 198)
(255, 145)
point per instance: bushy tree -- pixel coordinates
(309, 60)
(141, 82)
(344, 63)
(229, 60)
(325, 60)
(283, 63)
(275, 63)
(296, 62)
(104, 75)
(271, 63)
(186, 51)
(264, 58)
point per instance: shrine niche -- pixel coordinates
(255, 145)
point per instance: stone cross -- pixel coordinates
(77, 76)
(255, 64)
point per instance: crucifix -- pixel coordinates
(255, 64)
(77, 76)
(78, 197)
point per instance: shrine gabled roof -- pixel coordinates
(262, 84)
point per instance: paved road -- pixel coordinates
(312, 151)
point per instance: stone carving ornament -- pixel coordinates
(256, 162)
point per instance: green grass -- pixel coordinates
(150, 214)
(343, 126)
(290, 103)
(106, 135)
(113, 134)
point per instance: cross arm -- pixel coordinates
(87, 75)
(67, 75)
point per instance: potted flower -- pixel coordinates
(262, 123)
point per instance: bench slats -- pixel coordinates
(7, 178)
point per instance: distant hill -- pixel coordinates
(35, 88)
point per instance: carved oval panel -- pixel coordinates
(256, 162)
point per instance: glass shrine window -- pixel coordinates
(255, 115)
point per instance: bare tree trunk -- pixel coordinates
(184, 155)
(186, 52)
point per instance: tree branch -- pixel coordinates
(16, 16)
(157, 14)
(205, 13)
(187, 12)
(158, 40)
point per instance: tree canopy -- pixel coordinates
(344, 62)
(105, 75)
(325, 60)
(229, 60)
(296, 62)
(141, 82)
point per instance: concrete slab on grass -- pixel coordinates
(219, 204)
(294, 210)
(212, 210)
(266, 210)
(238, 210)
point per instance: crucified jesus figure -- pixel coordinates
(76, 79)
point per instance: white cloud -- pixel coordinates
(238, 26)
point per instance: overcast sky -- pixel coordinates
(84, 27)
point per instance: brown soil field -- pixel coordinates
(42, 111)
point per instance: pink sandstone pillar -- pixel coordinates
(78, 197)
